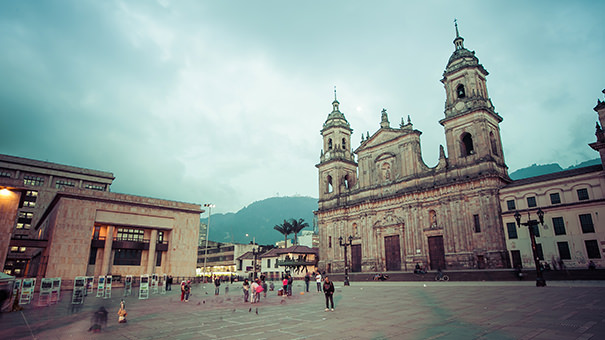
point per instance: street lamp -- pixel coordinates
(346, 244)
(209, 206)
(255, 252)
(530, 224)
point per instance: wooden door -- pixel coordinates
(356, 258)
(392, 252)
(516, 255)
(436, 252)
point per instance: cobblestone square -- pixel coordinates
(364, 310)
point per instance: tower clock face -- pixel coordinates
(460, 106)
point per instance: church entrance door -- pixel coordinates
(392, 252)
(436, 252)
(356, 257)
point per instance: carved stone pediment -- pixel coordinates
(387, 220)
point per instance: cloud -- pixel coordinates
(223, 102)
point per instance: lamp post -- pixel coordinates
(530, 224)
(255, 252)
(209, 206)
(345, 245)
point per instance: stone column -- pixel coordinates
(151, 256)
(107, 251)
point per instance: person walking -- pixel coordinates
(329, 292)
(318, 281)
(246, 289)
(217, 284)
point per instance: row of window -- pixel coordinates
(555, 198)
(592, 250)
(558, 224)
(125, 257)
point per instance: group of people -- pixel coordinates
(252, 291)
(185, 290)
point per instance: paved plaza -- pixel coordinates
(364, 310)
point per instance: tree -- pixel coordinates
(286, 229)
(297, 226)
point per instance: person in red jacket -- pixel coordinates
(329, 292)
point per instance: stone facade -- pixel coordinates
(401, 212)
(87, 230)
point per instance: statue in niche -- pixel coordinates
(433, 219)
(386, 171)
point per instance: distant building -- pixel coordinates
(309, 239)
(62, 221)
(220, 258)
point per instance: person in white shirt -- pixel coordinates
(318, 280)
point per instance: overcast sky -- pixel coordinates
(222, 101)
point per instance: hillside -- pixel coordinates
(259, 218)
(544, 169)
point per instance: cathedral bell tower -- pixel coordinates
(471, 124)
(337, 166)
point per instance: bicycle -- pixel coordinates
(442, 277)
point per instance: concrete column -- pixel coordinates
(107, 251)
(151, 257)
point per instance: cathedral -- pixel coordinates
(394, 210)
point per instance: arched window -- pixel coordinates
(492, 140)
(344, 144)
(330, 187)
(347, 182)
(460, 91)
(467, 144)
(330, 144)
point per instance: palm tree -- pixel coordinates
(286, 229)
(297, 226)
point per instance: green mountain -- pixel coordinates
(545, 169)
(258, 219)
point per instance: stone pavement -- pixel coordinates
(364, 310)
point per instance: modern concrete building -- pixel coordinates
(63, 222)
(398, 210)
(34, 185)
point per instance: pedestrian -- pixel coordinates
(290, 282)
(99, 319)
(183, 291)
(246, 289)
(285, 285)
(591, 265)
(318, 281)
(264, 285)
(122, 312)
(307, 279)
(259, 289)
(169, 283)
(187, 290)
(271, 286)
(329, 292)
(253, 291)
(217, 284)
